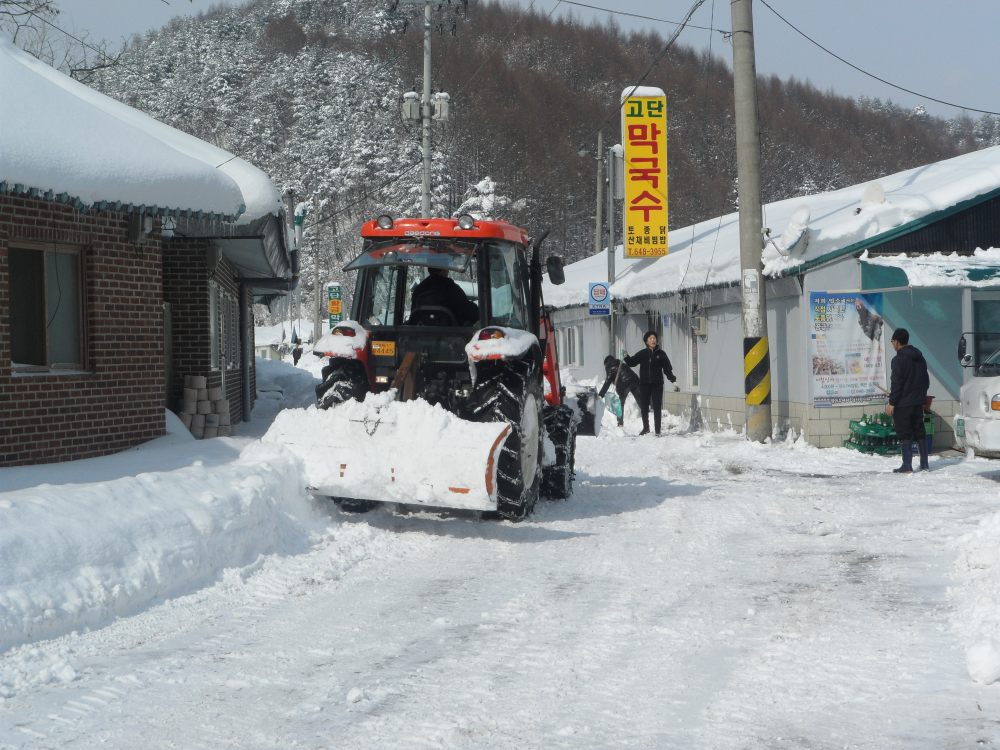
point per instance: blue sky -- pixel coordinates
(945, 49)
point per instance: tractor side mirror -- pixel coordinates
(964, 358)
(554, 265)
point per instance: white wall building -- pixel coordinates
(917, 241)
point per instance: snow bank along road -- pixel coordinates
(696, 592)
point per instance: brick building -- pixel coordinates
(130, 256)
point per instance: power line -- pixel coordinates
(500, 44)
(366, 196)
(644, 18)
(865, 72)
(616, 110)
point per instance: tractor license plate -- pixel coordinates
(960, 427)
(384, 348)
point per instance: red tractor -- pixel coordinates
(450, 312)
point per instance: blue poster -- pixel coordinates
(847, 348)
(600, 299)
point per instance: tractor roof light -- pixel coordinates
(490, 333)
(385, 222)
(465, 221)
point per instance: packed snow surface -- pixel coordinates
(697, 591)
(937, 269)
(57, 134)
(708, 253)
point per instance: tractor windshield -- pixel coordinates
(451, 255)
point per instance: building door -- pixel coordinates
(986, 324)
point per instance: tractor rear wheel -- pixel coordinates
(560, 426)
(512, 392)
(342, 380)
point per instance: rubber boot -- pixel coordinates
(907, 467)
(922, 447)
(645, 423)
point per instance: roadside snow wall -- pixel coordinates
(73, 556)
(977, 618)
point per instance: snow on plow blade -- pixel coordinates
(395, 452)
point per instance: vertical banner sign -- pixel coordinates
(848, 354)
(334, 304)
(600, 299)
(644, 133)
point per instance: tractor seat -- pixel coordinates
(431, 315)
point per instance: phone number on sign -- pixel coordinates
(634, 251)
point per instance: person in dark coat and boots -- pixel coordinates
(296, 353)
(653, 366)
(907, 397)
(624, 381)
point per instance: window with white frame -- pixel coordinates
(569, 346)
(224, 314)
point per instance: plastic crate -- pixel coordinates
(882, 450)
(871, 429)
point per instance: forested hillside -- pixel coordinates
(309, 90)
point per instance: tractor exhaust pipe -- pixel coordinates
(535, 275)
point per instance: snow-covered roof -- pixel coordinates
(981, 269)
(61, 138)
(707, 254)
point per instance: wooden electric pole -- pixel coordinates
(598, 233)
(756, 360)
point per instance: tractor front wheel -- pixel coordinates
(342, 380)
(511, 391)
(560, 426)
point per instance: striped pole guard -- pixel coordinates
(756, 370)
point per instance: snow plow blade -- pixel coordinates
(395, 452)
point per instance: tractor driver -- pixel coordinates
(437, 290)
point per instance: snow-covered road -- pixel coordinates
(696, 592)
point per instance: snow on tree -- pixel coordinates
(482, 201)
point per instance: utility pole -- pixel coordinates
(756, 360)
(317, 322)
(424, 108)
(600, 188)
(426, 112)
(611, 243)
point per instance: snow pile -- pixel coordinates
(61, 136)
(512, 345)
(977, 618)
(708, 253)
(977, 270)
(337, 345)
(403, 452)
(77, 555)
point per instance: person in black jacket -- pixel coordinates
(624, 381)
(437, 290)
(907, 397)
(653, 365)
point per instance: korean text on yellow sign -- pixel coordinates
(644, 122)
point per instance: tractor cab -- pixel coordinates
(426, 286)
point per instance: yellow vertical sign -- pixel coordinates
(644, 135)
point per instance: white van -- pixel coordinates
(977, 425)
